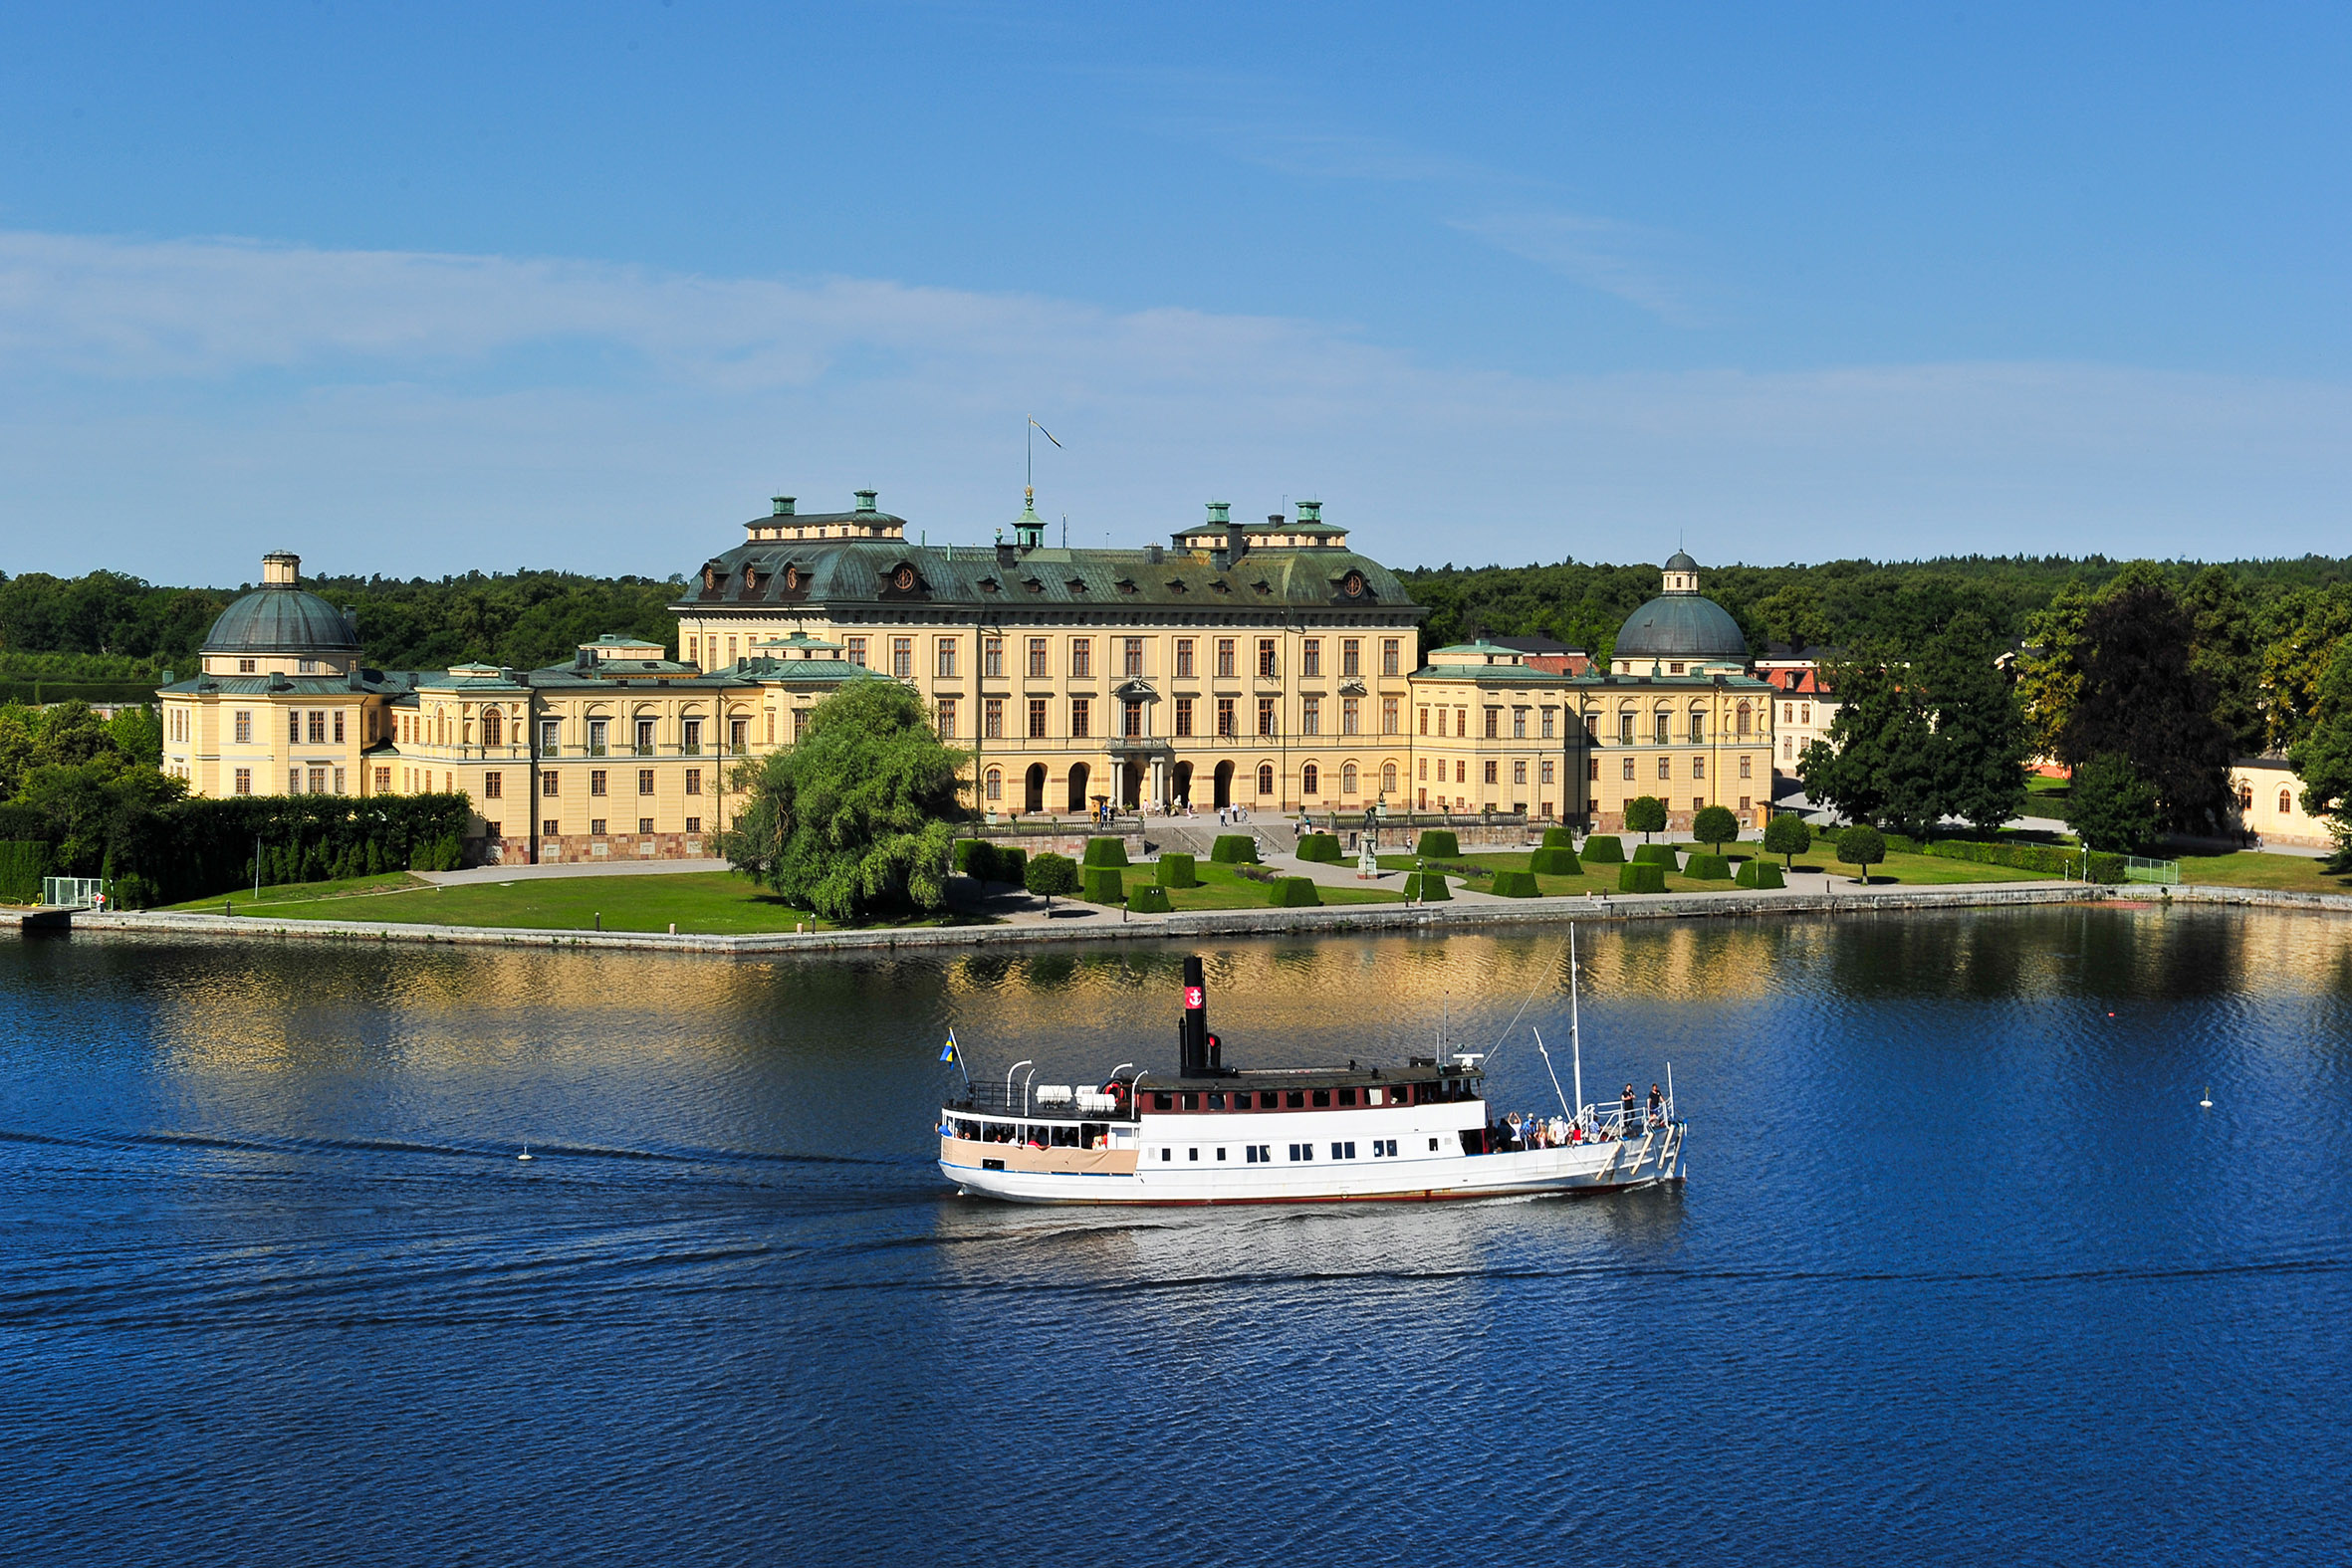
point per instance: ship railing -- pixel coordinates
(1604, 1122)
(1042, 1102)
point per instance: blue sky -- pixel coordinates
(423, 289)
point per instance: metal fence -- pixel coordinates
(73, 892)
(2139, 869)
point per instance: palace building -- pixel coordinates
(1262, 665)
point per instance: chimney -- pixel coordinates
(1192, 1036)
(1153, 554)
(281, 568)
(783, 505)
(865, 500)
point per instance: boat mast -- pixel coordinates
(1576, 1030)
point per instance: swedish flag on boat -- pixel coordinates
(947, 1052)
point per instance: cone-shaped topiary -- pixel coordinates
(1292, 892)
(1549, 862)
(1149, 901)
(1320, 847)
(1604, 850)
(1515, 884)
(1643, 876)
(1178, 870)
(1234, 849)
(1102, 885)
(1428, 887)
(1438, 843)
(1106, 852)
(1758, 873)
(1707, 868)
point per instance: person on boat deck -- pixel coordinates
(1627, 1104)
(1657, 1107)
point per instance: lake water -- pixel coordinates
(1962, 1269)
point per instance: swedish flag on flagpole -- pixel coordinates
(949, 1053)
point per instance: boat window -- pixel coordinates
(1192, 1153)
(1302, 1151)
(1163, 1102)
(1347, 1096)
(1167, 1154)
(1268, 1099)
(1216, 1100)
(1192, 1102)
(1220, 1154)
(1372, 1096)
(1094, 1134)
(1343, 1151)
(1296, 1099)
(1433, 1146)
(1322, 1097)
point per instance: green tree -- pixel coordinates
(2049, 676)
(852, 821)
(2228, 654)
(1715, 826)
(138, 733)
(1880, 763)
(1645, 814)
(2142, 699)
(1787, 835)
(2324, 757)
(1980, 739)
(1051, 876)
(2307, 628)
(1863, 847)
(2113, 808)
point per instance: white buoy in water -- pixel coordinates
(526, 1154)
(2207, 1101)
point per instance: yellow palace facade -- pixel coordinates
(1262, 666)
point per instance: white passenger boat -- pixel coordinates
(1208, 1133)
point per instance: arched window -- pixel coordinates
(491, 727)
(1346, 780)
(1664, 730)
(996, 783)
(1310, 781)
(1389, 778)
(2286, 802)
(2245, 798)
(1266, 778)
(1698, 724)
(1746, 720)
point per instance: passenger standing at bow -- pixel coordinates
(1625, 1123)
(1657, 1107)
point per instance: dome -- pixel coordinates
(281, 617)
(1681, 626)
(1681, 561)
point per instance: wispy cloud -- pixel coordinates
(173, 407)
(1599, 253)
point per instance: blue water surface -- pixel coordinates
(1963, 1269)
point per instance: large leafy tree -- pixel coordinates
(2113, 809)
(854, 819)
(2229, 654)
(1879, 764)
(1981, 738)
(2143, 699)
(2307, 628)
(2324, 757)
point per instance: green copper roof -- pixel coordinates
(283, 619)
(1681, 626)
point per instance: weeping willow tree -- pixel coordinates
(854, 821)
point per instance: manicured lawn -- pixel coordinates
(306, 892)
(2280, 873)
(2046, 797)
(1222, 888)
(710, 903)
(1919, 871)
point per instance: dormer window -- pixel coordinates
(1176, 585)
(1127, 586)
(1263, 586)
(991, 585)
(1076, 585)
(1033, 585)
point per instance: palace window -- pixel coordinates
(1745, 763)
(493, 785)
(1350, 715)
(493, 727)
(547, 782)
(1789, 713)
(1491, 768)
(736, 736)
(1310, 781)
(318, 780)
(1665, 768)
(596, 780)
(996, 783)
(1131, 657)
(1425, 769)
(384, 780)
(1265, 778)
(1390, 652)
(1460, 724)
(1037, 658)
(902, 658)
(1461, 771)
(992, 657)
(1311, 716)
(1519, 724)
(339, 727)
(644, 824)
(1626, 729)
(647, 752)
(1389, 716)
(693, 826)
(1184, 658)
(855, 653)
(1082, 658)
(799, 724)
(1592, 769)
(244, 727)
(1037, 718)
(1132, 720)
(596, 827)
(1266, 659)
(245, 667)
(1547, 767)
(549, 828)
(1629, 769)
(1266, 724)
(1351, 657)
(2286, 802)
(947, 718)
(549, 729)
(1078, 717)
(1184, 716)
(294, 726)
(1225, 658)
(245, 779)
(1388, 777)
(644, 780)
(1745, 722)
(1548, 715)
(644, 736)
(1662, 726)
(1346, 780)
(1424, 719)
(596, 729)
(1225, 728)
(992, 719)
(693, 782)
(945, 665)
(1697, 768)
(1311, 658)
(1697, 727)
(1519, 771)
(1493, 724)
(1787, 749)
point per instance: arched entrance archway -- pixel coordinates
(1224, 785)
(1078, 786)
(1033, 796)
(1130, 784)
(1183, 784)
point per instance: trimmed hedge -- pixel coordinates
(2048, 860)
(968, 850)
(1105, 853)
(1150, 901)
(1102, 885)
(1553, 862)
(1320, 847)
(1428, 888)
(1560, 838)
(1292, 892)
(23, 863)
(1605, 849)
(1011, 865)
(1234, 849)
(1515, 884)
(1656, 856)
(1708, 868)
(1760, 872)
(1178, 870)
(1440, 843)
(1643, 876)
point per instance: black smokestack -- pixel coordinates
(1191, 1038)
